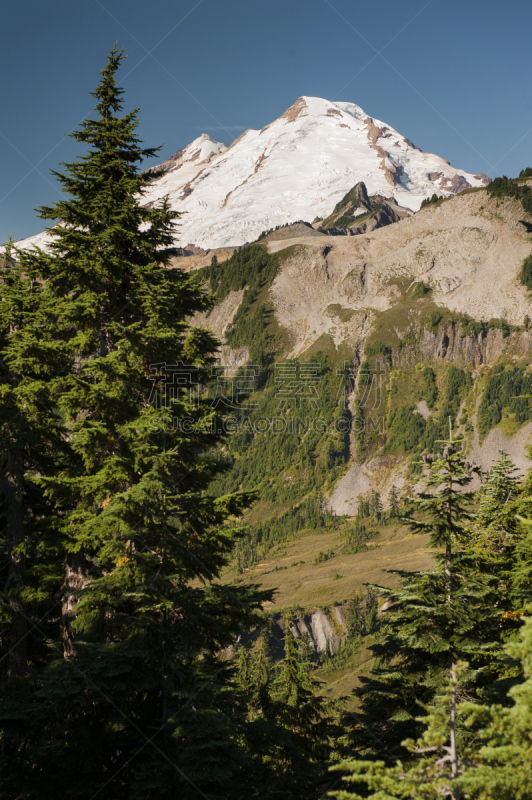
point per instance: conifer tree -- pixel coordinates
(436, 618)
(376, 506)
(495, 521)
(432, 768)
(290, 726)
(306, 650)
(521, 564)
(307, 716)
(500, 765)
(31, 443)
(494, 538)
(496, 765)
(393, 500)
(132, 702)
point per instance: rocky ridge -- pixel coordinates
(339, 292)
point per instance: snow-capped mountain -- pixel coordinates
(297, 167)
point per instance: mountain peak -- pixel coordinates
(306, 106)
(297, 167)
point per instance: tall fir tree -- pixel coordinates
(393, 500)
(495, 765)
(494, 538)
(495, 521)
(133, 701)
(431, 769)
(435, 619)
(521, 567)
(308, 717)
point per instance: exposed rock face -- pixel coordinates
(201, 149)
(391, 171)
(342, 222)
(325, 630)
(362, 194)
(471, 351)
(455, 183)
(383, 216)
(468, 250)
(458, 183)
(169, 164)
(296, 110)
(193, 250)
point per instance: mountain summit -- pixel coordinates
(297, 167)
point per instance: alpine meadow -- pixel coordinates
(265, 485)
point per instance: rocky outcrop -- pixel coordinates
(295, 111)
(455, 184)
(448, 343)
(357, 203)
(326, 630)
(381, 217)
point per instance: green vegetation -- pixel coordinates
(293, 726)
(378, 349)
(430, 389)
(276, 531)
(420, 290)
(348, 220)
(134, 663)
(507, 390)
(323, 556)
(430, 200)
(343, 213)
(111, 617)
(344, 314)
(448, 628)
(511, 187)
(408, 432)
(249, 268)
(473, 328)
(525, 275)
(292, 441)
(280, 227)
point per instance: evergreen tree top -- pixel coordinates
(107, 92)
(444, 500)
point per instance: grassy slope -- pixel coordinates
(309, 585)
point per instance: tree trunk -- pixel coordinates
(448, 573)
(449, 546)
(75, 579)
(455, 792)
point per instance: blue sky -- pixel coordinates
(451, 75)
